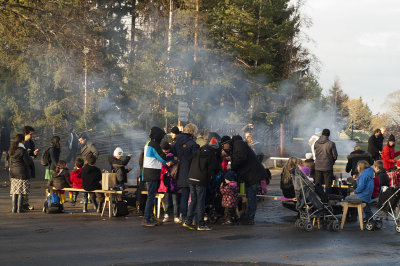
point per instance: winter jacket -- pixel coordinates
(62, 179)
(118, 167)
(190, 148)
(325, 154)
(30, 145)
(5, 139)
(154, 156)
(311, 165)
(54, 157)
(383, 178)
(91, 177)
(230, 195)
(204, 166)
(388, 157)
(377, 188)
(287, 187)
(375, 145)
(89, 149)
(365, 185)
(245, 164)
(76, 178)
(354, 158)
(19, 164)
(72, 142)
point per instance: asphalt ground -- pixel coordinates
(75, 238)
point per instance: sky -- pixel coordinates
(357, 41)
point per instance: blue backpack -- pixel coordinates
(52, 204)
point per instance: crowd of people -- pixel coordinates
(189, 170)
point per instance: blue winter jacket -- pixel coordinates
(365, 185)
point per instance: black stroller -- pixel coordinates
(387, 203)
(310, 206)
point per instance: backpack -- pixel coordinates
(45, 160)
(52, 204)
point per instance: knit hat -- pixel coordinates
(326, 132)
(214, 143)
(308, 156)
(230, 175)
(118, 152)
(175, 130)
(225, 139)
(392, 138)
(165, 145)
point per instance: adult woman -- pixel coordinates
(388, 154)
(54, 152)
(19, 163)
(286, 178)
(365, 186)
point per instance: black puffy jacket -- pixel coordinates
(246, 164)
(19, 164)
(204, 166)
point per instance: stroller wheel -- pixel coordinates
(300, 224)
(335, 226)
(369, 226)
(398, 228)
(378, 224)
(308, 227)
(297, 223)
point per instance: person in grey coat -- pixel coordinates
(325, 157)
(87, 147)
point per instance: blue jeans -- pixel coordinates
(151, 190)
(174, 197)
(184, 202)
(251, 195)
(367, 209)
(198, 197)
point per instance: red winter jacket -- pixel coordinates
(388, 156)
(76, 178)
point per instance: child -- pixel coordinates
(230, 197)
(61, 178)
(381, 179)
(118, 167)
(91, 178)
(76, 181)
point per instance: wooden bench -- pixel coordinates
(108, 196)
(159, 197)
(346, 205)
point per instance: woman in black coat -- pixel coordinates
(19, 163)
(54, 153)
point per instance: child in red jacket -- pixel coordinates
(76, 179)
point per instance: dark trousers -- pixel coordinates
(71, 155)
(251, 195)
(151, 190)
(229, 214)
(171, 197)
(324, 177)
(98, 197)
(197, 198)
(185, 191)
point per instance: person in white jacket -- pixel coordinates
(313, 139)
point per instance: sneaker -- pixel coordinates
(203, 228)
(177, 220)
(150, 223)
(166, 218)
(227, 222)
(188, 225)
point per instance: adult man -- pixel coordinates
(325, 157)
(72, 145)
(375, 144)
(87, 147)
(313, 139)
(353, 159)
(28, 132)
(250, 170)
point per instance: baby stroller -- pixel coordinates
(387, 203)
(310, 206)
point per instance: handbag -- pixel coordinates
(175, 167)
(120, 207)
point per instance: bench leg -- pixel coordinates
(360, 216)
(344, 216)
(104, 205)
(158, 207)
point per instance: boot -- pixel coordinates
(73, 202)
(85, 207)
(71, 198)
(14, 203)
(100, 206)
(62, 197)
(19, 204)
(96, 205)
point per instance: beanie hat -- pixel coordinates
(326, 132)
(391, 138)
(214, 143)
(225, 139)
(308, 156)
(118, 152)
(165, 145)
(230, 175)
(175, 130)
